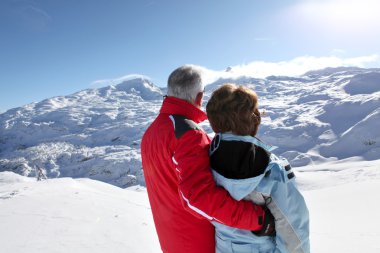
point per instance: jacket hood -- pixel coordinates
(238, 162)
(238, 188)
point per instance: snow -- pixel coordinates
(67, 215)
(371, 80)
(83, 215)
(93, 133)
(343, 218)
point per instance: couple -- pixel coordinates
(224, 195)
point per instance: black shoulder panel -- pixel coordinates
(182, 125)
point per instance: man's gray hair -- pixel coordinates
(185, 83)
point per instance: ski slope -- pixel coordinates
(87, 216)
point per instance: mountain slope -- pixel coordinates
(322, 116)
(307, 116)
(93, 133)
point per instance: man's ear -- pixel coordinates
(199, 99)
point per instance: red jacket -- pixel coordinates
(181, 189)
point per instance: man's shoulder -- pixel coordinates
(182, 125)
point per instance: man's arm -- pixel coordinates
(198, 191)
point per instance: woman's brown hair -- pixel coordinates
(234, 108)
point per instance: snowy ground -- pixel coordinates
(73, 215)
(82, 215)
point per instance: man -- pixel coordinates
(182, 193)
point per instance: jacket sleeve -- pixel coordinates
(198, 191)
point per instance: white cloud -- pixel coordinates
(114, 81)
(262, 69)
(294, 67)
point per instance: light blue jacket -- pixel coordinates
(276, 188)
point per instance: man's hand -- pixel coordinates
(267, 222)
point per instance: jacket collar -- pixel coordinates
(229, 136)
(173, 105)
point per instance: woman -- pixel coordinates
(246, 168)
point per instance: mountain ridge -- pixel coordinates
(96, 133)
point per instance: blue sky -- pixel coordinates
(57, 47)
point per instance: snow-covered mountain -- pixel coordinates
(94, 133)
(321, 116)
